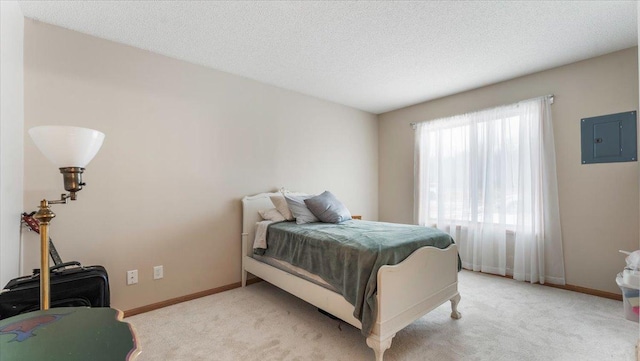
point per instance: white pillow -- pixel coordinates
(281, 205)
(271, 214)
(299, 209)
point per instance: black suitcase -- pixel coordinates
(72, 285)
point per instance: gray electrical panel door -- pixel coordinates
(609, 138)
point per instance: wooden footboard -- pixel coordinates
(409, 290)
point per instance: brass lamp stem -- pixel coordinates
(44, 216)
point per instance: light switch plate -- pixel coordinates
(132, 277)
(158, 272)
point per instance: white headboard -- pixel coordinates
(250, 216)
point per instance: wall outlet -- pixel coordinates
(158, 272)
(132, 277)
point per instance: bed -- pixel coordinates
(427, 278)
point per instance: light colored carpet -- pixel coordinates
(501, 320)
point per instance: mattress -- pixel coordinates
(296, 271)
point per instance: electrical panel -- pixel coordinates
(609, 138)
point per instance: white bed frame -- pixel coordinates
(406, 291)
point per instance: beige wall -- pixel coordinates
(598, 203)
(183, 145)
(11, 130)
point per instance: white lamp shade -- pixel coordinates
(67, 146)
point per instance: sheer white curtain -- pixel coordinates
(489, 179)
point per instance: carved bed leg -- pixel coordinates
(244, 278)
(379, 347)
(454, 307)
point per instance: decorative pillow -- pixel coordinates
(271, 214)
(299, 209)
(328, 208)
(281, 205)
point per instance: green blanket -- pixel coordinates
(348, 255)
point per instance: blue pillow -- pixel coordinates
(299, 210)
(328, 208)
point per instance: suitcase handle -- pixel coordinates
(56, 268)
(64, 265)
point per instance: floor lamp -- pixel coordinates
(70, 149)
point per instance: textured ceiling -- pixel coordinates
(374, 56)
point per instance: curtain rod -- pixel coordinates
(414, 125)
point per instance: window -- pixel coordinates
(483, 175)
(460, 194)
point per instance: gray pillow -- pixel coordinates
(328, 208)
(300, 211)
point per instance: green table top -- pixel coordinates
(67, 334)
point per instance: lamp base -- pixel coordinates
(44, 216)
